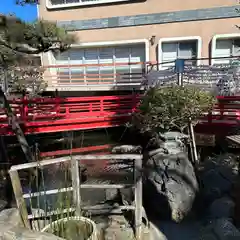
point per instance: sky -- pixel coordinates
(26, 13)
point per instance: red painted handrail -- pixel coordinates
(39, 115)
(60, 114)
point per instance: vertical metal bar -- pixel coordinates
(179, 69)
(114, 66)
(130, 66)
(180, 79)
(138, 197)
(69, 70)
(17, 189)
(99, 72)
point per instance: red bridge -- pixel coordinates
(46, 115)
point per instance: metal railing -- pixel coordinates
(117, 74)
(223, 79)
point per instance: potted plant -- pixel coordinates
(73, 228)
(65, 224)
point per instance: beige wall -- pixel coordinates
(204, 29)
(148, 6)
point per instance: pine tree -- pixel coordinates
(19, 41)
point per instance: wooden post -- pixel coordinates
(76, 185)
(17, 189)
(75, 180)
(138, 197)
(193, 147)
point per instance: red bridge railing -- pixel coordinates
(43, 115)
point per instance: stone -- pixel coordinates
(214, 185)
(127, 149)
(222, 208)
(3, 204)
(235, 193)
(218, 176)
(116, 227)
(11, 217)
(9, 232)
(224, 229)
(171, 185)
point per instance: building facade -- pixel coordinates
(117, 38)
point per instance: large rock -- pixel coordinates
(218, 176)
(219, 229)
(11, 217)
(171, 183)
(10, 232)
(222, 208)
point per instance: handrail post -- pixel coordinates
(221, 108)
(101, 106)
(134, 102)
(24, 107)
(57, 102)
(210, 117)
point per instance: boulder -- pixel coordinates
(218, 176)
(222, 208)
(219, 229)
(10, 232)
(171, 185)
(11, 217)
(3, 204)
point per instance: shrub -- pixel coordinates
(170, 108)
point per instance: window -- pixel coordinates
(225, 47)
(72, 3)
(105, 64)
(179, 48)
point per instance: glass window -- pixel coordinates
(226, 48)
(179, 50)
(106, 64)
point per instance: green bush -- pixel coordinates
(170, 108)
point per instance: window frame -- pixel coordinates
(80, 4)
(178, 40)
(217, 37)
(52, 61)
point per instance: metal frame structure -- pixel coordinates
(76, 186)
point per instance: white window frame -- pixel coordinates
(69, 5)
(52, 61)
(179, 39)
(214, 44)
